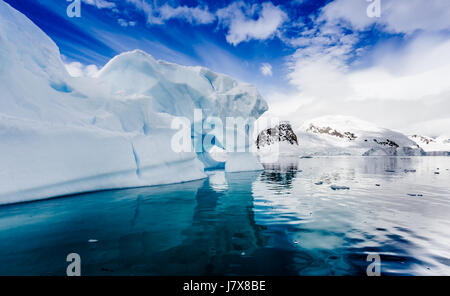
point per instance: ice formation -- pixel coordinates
(62, 135)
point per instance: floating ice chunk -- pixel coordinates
(336, 187)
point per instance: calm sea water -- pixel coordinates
(275, 222)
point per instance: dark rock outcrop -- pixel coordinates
(332, 132)
(280, 133)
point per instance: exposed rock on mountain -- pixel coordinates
(336, 135)
(433, 146)
(332, 132)
(280, 133)
(342, 135)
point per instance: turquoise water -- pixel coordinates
(275, 222)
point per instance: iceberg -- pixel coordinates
(62, 135)
(241, 162)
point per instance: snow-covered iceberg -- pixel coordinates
(62, 135)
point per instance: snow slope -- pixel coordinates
(343, 135)
(62, 135)
(433, 146)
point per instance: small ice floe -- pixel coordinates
(243, 254)
(409, 171)
(319, 183)
(92, 241)
(336, 187)
(389, 171)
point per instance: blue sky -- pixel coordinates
(307, 57)
(107, 28)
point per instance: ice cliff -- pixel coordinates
(62, 135)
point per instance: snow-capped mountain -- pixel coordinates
(433, 146)
(64, 135)
(277, 140)
(352, 136)
(342, 135)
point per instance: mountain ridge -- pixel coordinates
(345, 135)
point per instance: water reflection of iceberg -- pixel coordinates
(223, 231)
(130, 226)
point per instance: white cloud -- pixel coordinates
(419, 71)
(245, 22)
(125, 23)
(432, 128)
(147, 9)
(193, 15)
(77, 69)
(242, 21)
(266, 69)
(405, 89)
(158, 15)
(402, 87)
(101, 4)
(399, 16)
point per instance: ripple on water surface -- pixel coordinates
(283, 220)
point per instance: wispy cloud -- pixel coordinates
(193, 15)
(125, 23)
(158, 15)
(266, 69)
(101, 4)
